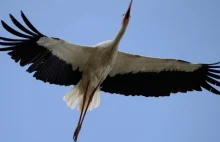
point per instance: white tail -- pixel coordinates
(75, 96)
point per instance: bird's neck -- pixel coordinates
(120, 35)
(117, 39)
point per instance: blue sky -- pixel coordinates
(32, 111)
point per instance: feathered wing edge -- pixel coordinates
(29, 37)
(163, 83)
(34, 34)
(47, 67)
(212, 74)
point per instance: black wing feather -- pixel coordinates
(14, 32)
(28, 23)
(21, 27)
(9, 43)
(213, 81)
(9, 39)
(47, 67)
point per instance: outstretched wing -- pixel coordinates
(145, 76)
(53, 60)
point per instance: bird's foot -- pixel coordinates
(76, 133)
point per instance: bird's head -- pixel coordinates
(126, 16)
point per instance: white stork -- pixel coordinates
(103, 68)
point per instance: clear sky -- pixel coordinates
(32, 111)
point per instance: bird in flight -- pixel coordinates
(102, 67)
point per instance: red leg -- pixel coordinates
(90, 100)
(84, 114)
(81, 114)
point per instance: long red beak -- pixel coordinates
(127, 14)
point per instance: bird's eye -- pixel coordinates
(124, 15)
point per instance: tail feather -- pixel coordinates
(75, 98)
(95, 101)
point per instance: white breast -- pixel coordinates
(100, 64)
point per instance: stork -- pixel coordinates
(103, 68)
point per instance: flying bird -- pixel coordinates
(102, 67)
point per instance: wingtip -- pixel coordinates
(11, 16)
(2, 22)
(214, 63)
(22, 13)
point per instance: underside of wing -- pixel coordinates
(143, 76)
(46, 65)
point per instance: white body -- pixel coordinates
(97, 68)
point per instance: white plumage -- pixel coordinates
(75, 96)
(134, 63)
(76, 55)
